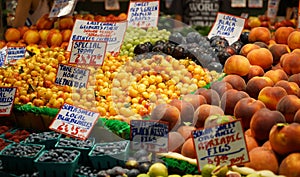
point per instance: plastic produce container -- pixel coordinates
(49, 139)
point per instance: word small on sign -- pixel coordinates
(221, 145)
(74, 121)
(72, 76)
(62, 8)
(88, 52)
(14, 53)
(7, 97)
(149, 135)
(228, 26)
(143, 14)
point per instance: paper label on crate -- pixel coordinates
(62, 8)
(7, 97)
(143, 14)
(149, 135)
(88, 52)
(2, 56)
(221, 145)
(74, 121)
(14, 53)
(72, 76)
(227, 26)
(110, 32)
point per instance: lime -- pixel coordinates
(158, 169)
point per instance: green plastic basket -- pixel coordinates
(56, 169)
(19, 163)
(49, 143)
(106, 161)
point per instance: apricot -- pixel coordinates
(282, 33)
(261, 34)
(203, 111)
(236, 81)
(277, 51)
(291, 88)
(230, 98)
(261, 57)
(255, 70)
(288, 106)
(186, 131)
(245, 108)
(247, 48)
(188, 149)
(289, 166)
(212, 97)
(262, 122)
(270, 96)
(276, 75)
(291, 63)
(293, 40)
(262, 159)
(221, 87)
(186, 109)
(194, 99)
(255, 84)
(250, 142)
(176, 141)
(237, 64)
(12, 35)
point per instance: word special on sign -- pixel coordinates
(7, 97)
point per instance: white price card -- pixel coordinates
(149, 135)
(88, 52)
(110, 32)
(14, 53)
(74, 121)
(221, 145)
(62, 8)
(143, 14)
(7, 97)
(228, 26)
(72, 76)
(2, 56)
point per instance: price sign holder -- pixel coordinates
(221, 145)
(7, 97)
(150, 135)
(74, 121)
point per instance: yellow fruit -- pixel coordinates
(158, 169)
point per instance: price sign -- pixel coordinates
(221, 145)
(272, 9)
(227, 26)
(255, 3)
(238, 3)
(14, 53)
(62, 8)
(74, 121)
(2, 56)
(149, 135)
(143, 14)
(72, 76)
(110, 32)
(7, 97)
(88, 52)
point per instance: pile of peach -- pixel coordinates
(261, 89)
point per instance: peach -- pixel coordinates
(270, 96)
(54, 39)
(65, 23)
(267, 145)
(262, 121)
(66, 35)
(217, 119)
(220, 87)
(212, 97)
(194, 99)
(2, 43)
(245, 108)
(291, 88)
(186, 131)
(22, 30)
(230, 98)
(45, 22)
(186, 109)
(44, 34)
(293, 40)
(31, 37)
(188, 149)
(297, 116)
(289, 166)
(284, 138)
(282, 33)
(261, 57)
(288, 106)
(237, 64)
(255, 70)
(255, 84)
(277, 51)
(291, 63)
(276, 75)
(261, 44)
(262, 159)
(261, 34)
(167, 113)
(247, 48)
(236, 81)
(175, 142)
(12, 35)
(250, 142)
(203, 111)
(295, 78)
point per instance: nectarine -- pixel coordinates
(261, 34)
(261, 57)
(237, 64)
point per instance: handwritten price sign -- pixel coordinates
(14, 53)
(7, 97)
(149, 135)
(75, 122)
(221, 145)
